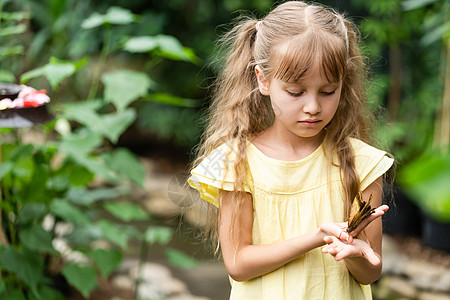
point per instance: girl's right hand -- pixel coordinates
(338, 230)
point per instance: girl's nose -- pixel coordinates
(311, 105)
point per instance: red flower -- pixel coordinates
(28, 97)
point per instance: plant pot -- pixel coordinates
(436, 234)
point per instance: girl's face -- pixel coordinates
(302, 108)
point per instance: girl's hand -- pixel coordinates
(379, 211)
(338, 230)
(342, 249)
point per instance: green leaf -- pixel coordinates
(114, 15)
(83, 278)
(173, 100)
(47, 293)
(171, 47)
(7, 76)
(114, 124)
(37, 239)
(28, 266)
(81, 143)
(12, 30)
(126, 164)
(436, 34)
(93, 21)
(83, 196)
(114, 233)
(166, 46)
(11, 50)
(5, 168)
(126, 211)
(57, 72)
(16, 295)
(32, 212)
(158, 234)
(32, 74)
(413, 4)
(80, 176)
(107, 260)
(68, 212)
(179, 259)
(2, 286)
(141, 44)
(125, 86)
(119, 16)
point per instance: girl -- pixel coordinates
(284, 155)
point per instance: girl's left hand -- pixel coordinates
(358, 248)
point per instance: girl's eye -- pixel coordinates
(328, 93)
(295, 94)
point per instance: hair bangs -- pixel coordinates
(296, 58)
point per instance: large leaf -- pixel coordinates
(31, 212)
(114, 15)
(115, 233)
(158, 234)
(124, 86)
(173, 100)
(83, 196)
(68, 212)
(116, 123)
(13, 30)
(110, 125)
(126, 164)
(107, 260)
(16, 295)
(47, 293)
(28, 266)
(165, 46)
(180, 259)
(55, 72)
(7, 76)
(426, 181)
(37, 239)
(83, 278)
(413, 4)
(80, 144)
(126, 211)
(5, 168)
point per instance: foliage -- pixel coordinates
(76, 174)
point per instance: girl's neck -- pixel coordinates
(286, 147)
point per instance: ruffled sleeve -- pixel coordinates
(216, 172)
(370, 162)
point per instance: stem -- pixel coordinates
(1, 10)
(106, 50)
(142, 258)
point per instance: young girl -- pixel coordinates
(284, 155)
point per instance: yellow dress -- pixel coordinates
(291, 198)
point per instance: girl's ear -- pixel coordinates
(263, 83)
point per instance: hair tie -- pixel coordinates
(257, 25)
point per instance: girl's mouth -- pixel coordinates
(310, 122)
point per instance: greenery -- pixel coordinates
(139, 66)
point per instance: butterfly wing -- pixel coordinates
(359, 210)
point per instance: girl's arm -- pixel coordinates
(242, 259)
(362, 258)
(245, 261)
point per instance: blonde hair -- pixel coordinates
(291, 40)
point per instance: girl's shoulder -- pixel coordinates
(362, 148)
(370, 162)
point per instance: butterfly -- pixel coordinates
(359, 210)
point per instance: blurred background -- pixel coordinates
(93, 203)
